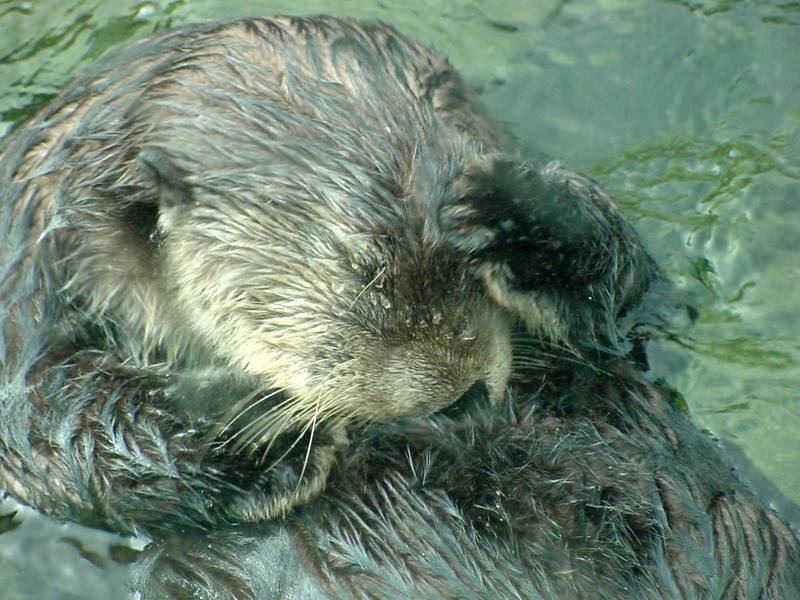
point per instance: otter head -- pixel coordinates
(359, 309)
(368, 305)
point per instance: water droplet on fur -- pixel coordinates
(437, 318)
(385, 302)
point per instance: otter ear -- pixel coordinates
(169, 178)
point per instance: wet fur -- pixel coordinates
(587, 482)
(305, 209)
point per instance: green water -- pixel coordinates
(688, 112)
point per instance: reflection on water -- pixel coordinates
(689, 112)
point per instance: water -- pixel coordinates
(688, 112)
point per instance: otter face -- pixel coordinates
(356, 320)
(363, 309)
(423, 332)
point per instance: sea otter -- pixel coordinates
(285, 226)
(246, 261)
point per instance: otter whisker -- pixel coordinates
(286, 452)
(366, 287)
(286, 414)
(308, 449)
(309, 423)
(238, 434)
(264, 427)
(248, 406)
(524, 346)
(253, 430)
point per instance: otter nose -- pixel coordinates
(475, 396)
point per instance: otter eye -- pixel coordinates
(142, 218)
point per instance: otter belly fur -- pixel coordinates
(246, 260)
